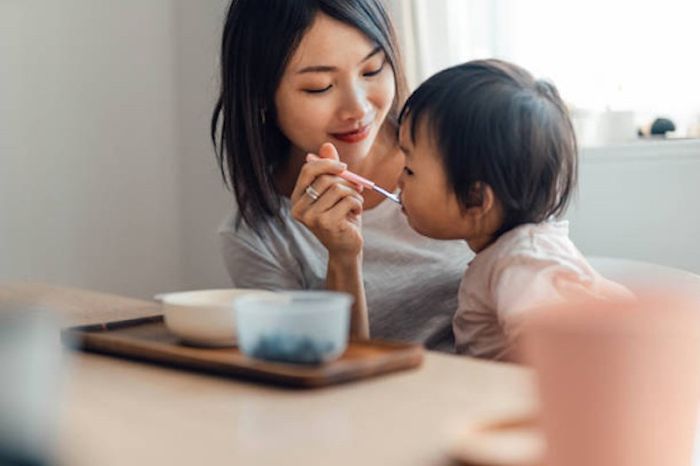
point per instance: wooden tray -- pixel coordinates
(147, 339)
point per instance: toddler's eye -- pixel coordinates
(318, 91)
(369, 74)
(407, 171)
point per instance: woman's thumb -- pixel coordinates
(328, 151)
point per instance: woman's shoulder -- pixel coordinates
(234, 222)
(234, 227)
(280, 235)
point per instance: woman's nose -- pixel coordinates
(355, 105)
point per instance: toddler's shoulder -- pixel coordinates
(533, 240)
(535, 248)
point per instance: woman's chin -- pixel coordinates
(352, 152)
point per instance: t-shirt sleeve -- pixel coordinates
(251, 265)
(523, 284)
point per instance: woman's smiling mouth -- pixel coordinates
(357, 135)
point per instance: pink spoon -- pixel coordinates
(355, 178)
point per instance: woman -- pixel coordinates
(323, 76)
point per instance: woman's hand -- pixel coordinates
(331, 208)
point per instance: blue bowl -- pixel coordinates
(300, 327)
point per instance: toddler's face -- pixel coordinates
(430, 205)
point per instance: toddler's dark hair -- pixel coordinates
(493, 123)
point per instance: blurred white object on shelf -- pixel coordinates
(596, 128)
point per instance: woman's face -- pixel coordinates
(338, 87)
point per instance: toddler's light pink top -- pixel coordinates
(531, 266)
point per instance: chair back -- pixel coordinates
(640, 276)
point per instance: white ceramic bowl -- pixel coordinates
(303, 327)
(204, 317)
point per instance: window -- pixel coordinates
(625, 61)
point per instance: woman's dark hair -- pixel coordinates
(493, 123)
(259, 38)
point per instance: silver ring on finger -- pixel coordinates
(312, 193)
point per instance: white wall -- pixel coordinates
(203, 200)
(640, 201)
(107, 180)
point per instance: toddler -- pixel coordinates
(491, 158)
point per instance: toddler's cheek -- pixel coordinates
(405, 210)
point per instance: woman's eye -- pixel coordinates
(369, 74)
(318, 91)
(407, 171)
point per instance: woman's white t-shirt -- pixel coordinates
(411, 281)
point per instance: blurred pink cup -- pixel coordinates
(619, 383)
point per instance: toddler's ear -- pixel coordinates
(488, 197)
(478, 195)
(482, 200)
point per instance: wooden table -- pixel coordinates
(117, 412)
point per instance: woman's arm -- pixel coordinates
(333, 214)
(251, 264)
(346, 275)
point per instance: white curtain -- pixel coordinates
(435, 34)
(621, 55)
